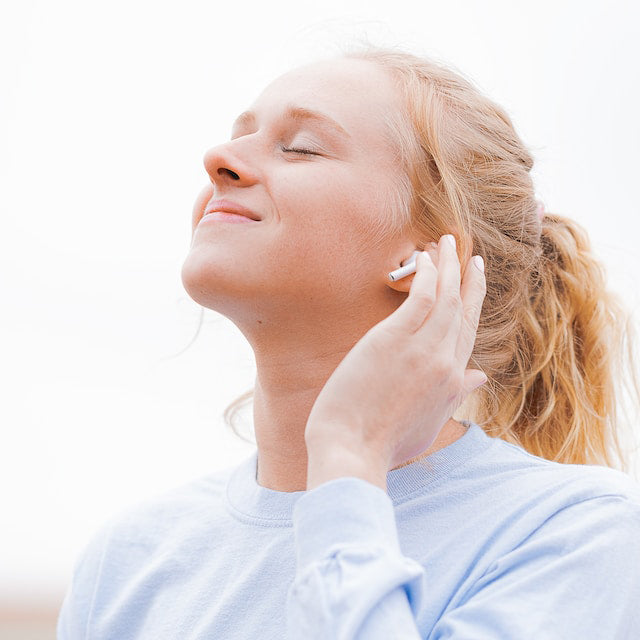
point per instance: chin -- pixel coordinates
(191, 277)
(216, 284)
(202, 279)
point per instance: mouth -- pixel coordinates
(227, 206)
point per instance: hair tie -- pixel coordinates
(540, 210)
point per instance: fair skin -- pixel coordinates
(306, 282)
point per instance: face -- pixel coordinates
(313, 162)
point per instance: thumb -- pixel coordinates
(473, 378)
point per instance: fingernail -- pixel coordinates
(479, 262)
(451, 239)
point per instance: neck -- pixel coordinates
(285, 391)
(283, 397)
(295, 356)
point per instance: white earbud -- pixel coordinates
(408, 267)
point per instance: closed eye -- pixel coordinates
(299, 150)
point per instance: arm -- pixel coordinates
(352, 581)
(577, 577)
(384, 404)
(73, 619)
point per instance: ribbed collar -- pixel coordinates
(250, 501)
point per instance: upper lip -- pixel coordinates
(227, 206)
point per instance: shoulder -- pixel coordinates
(536, 510)
(176, 509)
(508, 493)
(127, 547)
(533, 497)
(582, 520)
(577, 482)
(538, 534)
(159, 522)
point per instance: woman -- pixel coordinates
(368, 510)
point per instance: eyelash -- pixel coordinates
(303, 151)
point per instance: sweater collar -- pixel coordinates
(252, 502)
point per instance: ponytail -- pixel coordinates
(557, 398)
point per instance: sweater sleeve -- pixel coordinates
(577, 577)
(73, 618)
(352, 581)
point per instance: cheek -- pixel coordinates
(328, 225)
(322, 203)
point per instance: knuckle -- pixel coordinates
(473, 313)
(386, 335)
(455, 383)
(424, 298)
(441, 368)
(416, 359)
(452, 301)
(478, 278)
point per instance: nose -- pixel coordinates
(225, 166)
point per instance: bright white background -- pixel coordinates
(106, 110)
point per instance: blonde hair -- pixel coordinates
(551, 337)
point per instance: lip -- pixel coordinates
(224, 216)
(220, 205)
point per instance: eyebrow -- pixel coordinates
(295, 113)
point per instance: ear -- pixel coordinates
(399, 258)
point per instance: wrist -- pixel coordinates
(329, 460)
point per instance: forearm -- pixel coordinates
(352, 580)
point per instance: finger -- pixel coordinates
(412, 313)
(446, 317)
(472, 292)
(432, 248)
(473, 378)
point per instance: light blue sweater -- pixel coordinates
(478, 541)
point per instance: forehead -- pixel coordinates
(359, 95)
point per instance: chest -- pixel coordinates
(219, 589)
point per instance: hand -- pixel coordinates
(390, 396)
